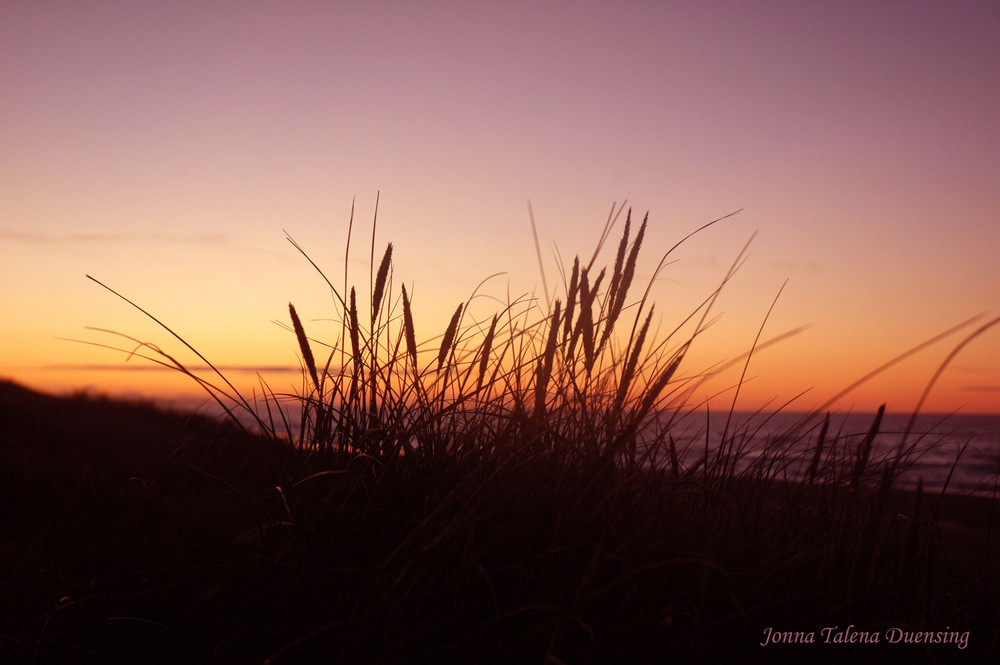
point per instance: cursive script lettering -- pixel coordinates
(947, 636)
(833, 635)
(772, 636)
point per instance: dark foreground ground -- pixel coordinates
(132, 535)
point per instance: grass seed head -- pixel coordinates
(616, 275)
(633, 360)
(654, 390)
(355, 329)
(380, 280)
(484, 357)
(544, 371)
(307, 355)
(574, 287)
(620, 291)
(411, 337)
(449, 337)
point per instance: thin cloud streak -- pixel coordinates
(22, 236)
(214, 240)
(236, 369)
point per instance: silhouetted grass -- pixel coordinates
(509, 491)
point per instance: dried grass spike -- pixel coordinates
(574, 287)
(307, 355)
(587, 333)
(616, 275)
(583, 289)
(380, 280)
(485, 352)
(449, 337)
(355, 329)
(544, 371)
(587, 327)
(618, 301)
(661, 382)
(411, 337)
(633, 360)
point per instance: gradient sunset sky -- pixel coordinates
(165, 147)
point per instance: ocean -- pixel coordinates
(957, 452)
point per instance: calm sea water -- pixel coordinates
(957, 452)
(960, 453)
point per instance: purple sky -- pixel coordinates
(163, 148)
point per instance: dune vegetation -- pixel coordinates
(510, 489)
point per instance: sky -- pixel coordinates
(166, 148)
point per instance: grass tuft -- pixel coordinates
(536, 496)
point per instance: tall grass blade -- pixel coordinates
(538, 253)
(937, 374)
(675, 465)
(898, 359)
(609, 224)
(235, 395)
(818, 452)
(908, 565)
